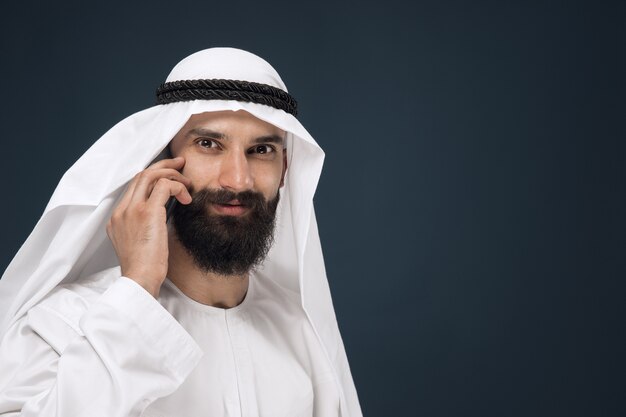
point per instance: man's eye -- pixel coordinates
(207, 143)
(262, 149)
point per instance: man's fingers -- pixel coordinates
(149, 177)
(174, 163)
(165, 188)
(141, 186)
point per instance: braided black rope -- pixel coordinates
(187, 90)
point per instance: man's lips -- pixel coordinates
(232, 208)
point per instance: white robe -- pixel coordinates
(105, 347)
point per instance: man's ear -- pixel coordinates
(282, 177)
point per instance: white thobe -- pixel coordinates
(105, 347)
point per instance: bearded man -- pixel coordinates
(177, 270)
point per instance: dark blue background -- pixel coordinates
(473, 200)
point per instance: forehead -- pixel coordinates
(239, 124)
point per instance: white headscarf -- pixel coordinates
(69, 242)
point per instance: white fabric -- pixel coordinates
(69, 242)
(257, 359)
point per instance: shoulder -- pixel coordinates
(72, 299)
(275, 306)
(277, 312)
(268, 292)
(56, 317)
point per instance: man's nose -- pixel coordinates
(235, 172)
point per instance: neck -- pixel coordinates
(223, 291)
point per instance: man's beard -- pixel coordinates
(226, 245)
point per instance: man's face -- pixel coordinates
(233, 151)
(236, 164)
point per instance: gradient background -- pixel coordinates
(472, 203)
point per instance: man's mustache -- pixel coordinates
(247, 198)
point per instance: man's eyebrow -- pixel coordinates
(199, 131)
(277, 139)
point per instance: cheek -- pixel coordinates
(267, 178)
(201, 173)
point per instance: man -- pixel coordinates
(151, 286)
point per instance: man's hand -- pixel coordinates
(138, 226)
